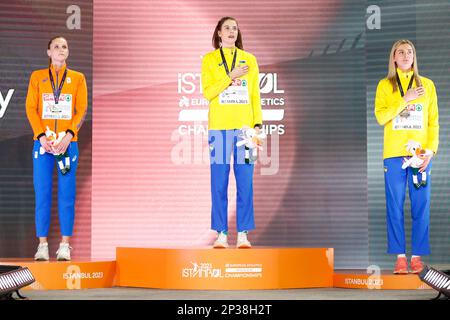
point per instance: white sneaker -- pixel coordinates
(222, 241)
(242, 241)
(42, 252)
(63, 253)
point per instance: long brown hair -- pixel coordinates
(50, 43)
(216, 41)
(392, 71)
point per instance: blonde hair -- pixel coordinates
(392, 71)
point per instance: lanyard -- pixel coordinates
(225, 65)
(400, 84)
(57, 93)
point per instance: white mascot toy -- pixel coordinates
(415, 162)
(253, 141)
(63, 159)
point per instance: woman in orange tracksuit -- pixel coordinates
(56, 103)
(230, 81)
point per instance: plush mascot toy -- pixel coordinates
(63, 159)
(415, 162)
(253, 141)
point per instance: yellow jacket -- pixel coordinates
(74, 88)
(215, 81)
(423, 123)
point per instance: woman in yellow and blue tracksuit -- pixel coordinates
(230, 81)
(406, 105)
(56, 101)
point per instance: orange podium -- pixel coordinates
(60, 275)
(224, 269)
(386, 280)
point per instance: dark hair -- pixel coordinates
(216, 41)
(49, 44)
(54, 38)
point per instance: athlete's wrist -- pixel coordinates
(71, 133)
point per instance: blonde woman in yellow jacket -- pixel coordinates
(406, 105)
(230, 81)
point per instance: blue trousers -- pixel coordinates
(396, 179)
(43, 166)
(222, 143)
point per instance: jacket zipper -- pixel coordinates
(56, 86)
